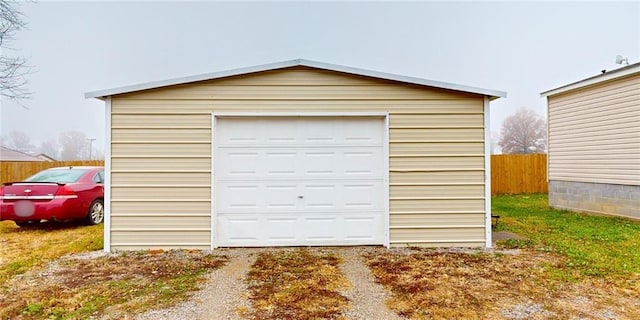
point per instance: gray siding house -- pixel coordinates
(594, 143)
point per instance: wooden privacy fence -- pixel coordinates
(510, 173)
(17, 171)
(519, 173)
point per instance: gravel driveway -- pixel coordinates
(224, 293)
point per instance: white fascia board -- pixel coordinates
(387, 177)
(487, 174)
(188, 79)
(101, 94)
(412, 80)
(214, 212)
(297, 114)
(107, 178)
(607, 76)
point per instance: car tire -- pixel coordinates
(27, 223)
(96, 212)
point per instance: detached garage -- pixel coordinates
(296, 153)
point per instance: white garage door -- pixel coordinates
(299, 181)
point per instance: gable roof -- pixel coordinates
(102, 94)
(602, 77)
(7, 154)
(45, 157)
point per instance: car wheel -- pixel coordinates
(96, 212)
(27, 223)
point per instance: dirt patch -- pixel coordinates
(437, 284)
(296, 284)
(504, 235)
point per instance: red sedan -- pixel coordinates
(64, 193)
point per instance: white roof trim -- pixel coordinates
(101, 94)
(607, 76)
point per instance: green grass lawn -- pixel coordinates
(593, 245)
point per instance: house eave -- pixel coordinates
(103, 94)
(600, 78)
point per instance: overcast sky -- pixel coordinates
(519, 47)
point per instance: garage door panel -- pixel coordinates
(321, 228)
(241, 230)
(280, 229)
(240, 196)
(360, 228)
(320, 163)
(303, 163)
(304, 228)
(350, 195)
(237, 163)
(362, 162)
(280, 163)
(363, 195)
(319, 196)
(299, 131)
(280, 196)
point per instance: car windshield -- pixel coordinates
(58, 175)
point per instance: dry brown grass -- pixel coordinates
(34, 284)
(296, 284)
(24, 249)
(427, 284)
(118, 285)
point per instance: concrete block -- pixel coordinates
(631, 188)
(622, 194)
(598, 197)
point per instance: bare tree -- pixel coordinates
(495, 137)
(74, 145)
(12, 69)
(18, 140)
(50, 148)
(97, 154)
(523, 132)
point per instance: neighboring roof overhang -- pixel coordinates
(7, 154)
(102, 94)
(607, 76)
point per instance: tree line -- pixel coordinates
(69, 145)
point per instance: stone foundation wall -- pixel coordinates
(615, 199)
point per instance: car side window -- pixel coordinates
(99, 177)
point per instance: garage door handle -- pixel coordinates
(300, 197)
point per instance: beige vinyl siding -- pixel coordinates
(458, 106)
(195, 222)
(436, 237)
(159, 207)
(436, 177)
(438, 220)
(594, 134)
(162, 135)
(163, 178)
(161, 145)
